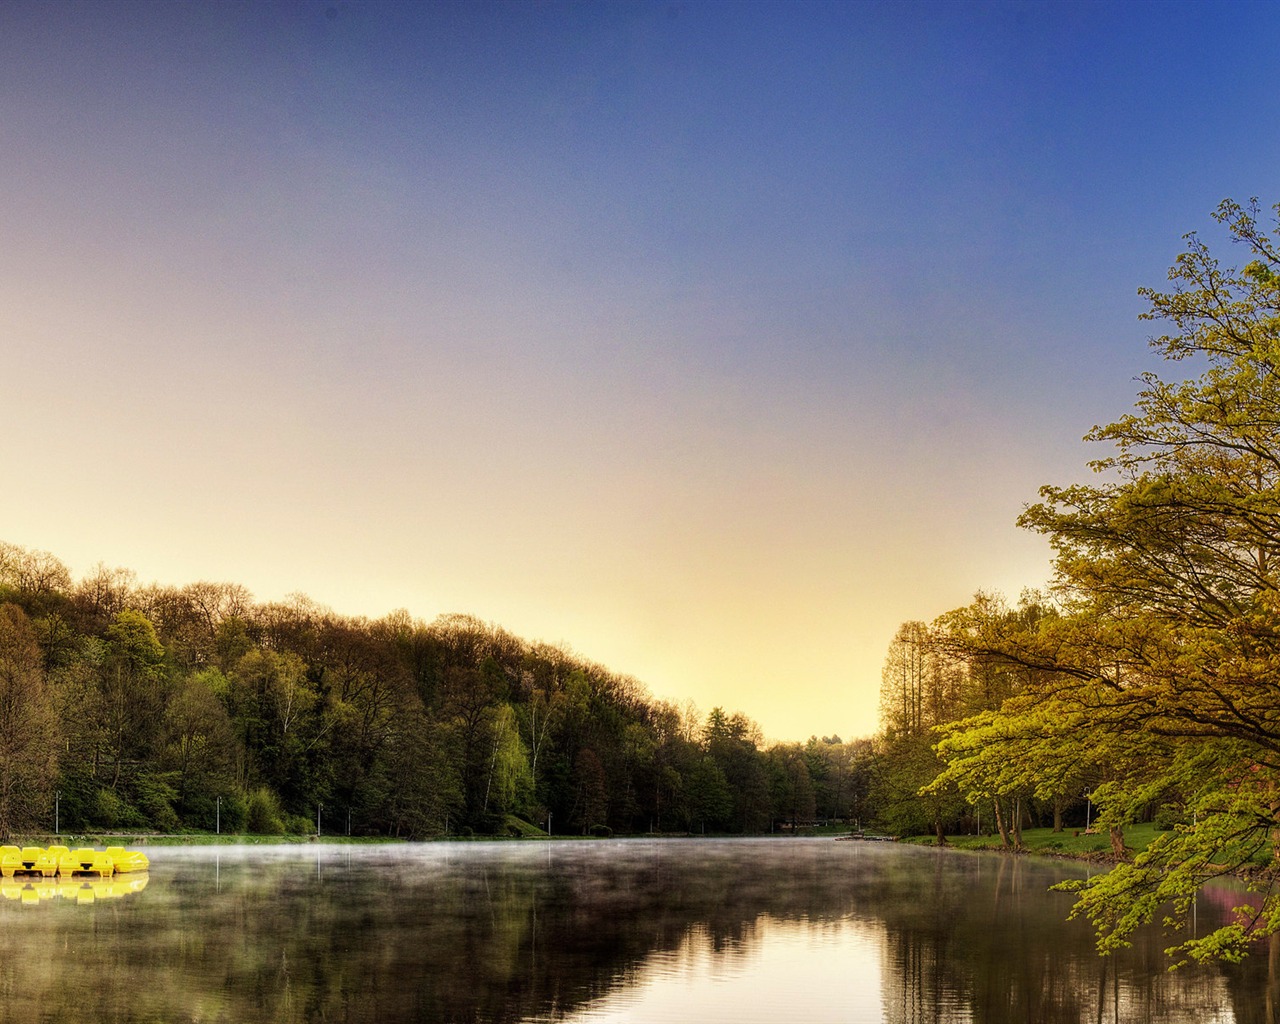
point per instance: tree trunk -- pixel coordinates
(1117, 841)
(1273, 978)
(1057, 812)
(1001, 825)
(1016, 815)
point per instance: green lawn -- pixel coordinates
(78, 839)
(1068, 843)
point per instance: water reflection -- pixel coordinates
(32, 891)
(749, 930)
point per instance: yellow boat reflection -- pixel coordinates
(34, 890)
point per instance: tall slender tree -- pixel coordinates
(28, 759)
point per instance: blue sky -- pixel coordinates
(713, 340)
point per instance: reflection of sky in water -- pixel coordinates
(786, 971)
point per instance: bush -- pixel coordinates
(263, 815)
(601, 831)
(156, 798)
(111, 810)
(232, 815)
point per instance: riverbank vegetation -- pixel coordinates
(1090, 844)
(170, 708)
(1144, 684)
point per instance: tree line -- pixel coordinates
(170, 708)
(1143, 684)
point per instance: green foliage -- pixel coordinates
(1152, 681)
(174, 708)
(233, 811)
(155, 796)
(710, 798)
(1093, 846)
(132, 642)
(791, 784)
(518, 828)
(906, 766)
(110, 810)
(28, 725)
(263, 814)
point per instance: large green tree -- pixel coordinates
(1160, 672)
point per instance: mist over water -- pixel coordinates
(604, 931)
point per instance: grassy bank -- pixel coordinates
(1046, 842)
(78, 839)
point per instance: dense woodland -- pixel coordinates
(169, 708)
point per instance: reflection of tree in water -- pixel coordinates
(979, 938)
(498, 933)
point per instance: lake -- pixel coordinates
(749, 930)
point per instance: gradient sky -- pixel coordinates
(712, 340)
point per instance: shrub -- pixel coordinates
(233, 813)
(110, 809)
(156, 798)
(263, 815)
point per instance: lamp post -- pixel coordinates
(57, 799)
(319, 806)
(217, 815)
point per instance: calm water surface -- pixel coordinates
(753, 930)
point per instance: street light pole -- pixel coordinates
(217, 820)
(57, 799)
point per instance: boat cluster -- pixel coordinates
(48, 861)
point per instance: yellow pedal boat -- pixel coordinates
(127, 860)
(58, 860)
(29, 860)
(36, 860)
(85, 861)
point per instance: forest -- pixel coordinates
(174, 708)
(1143, 683)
